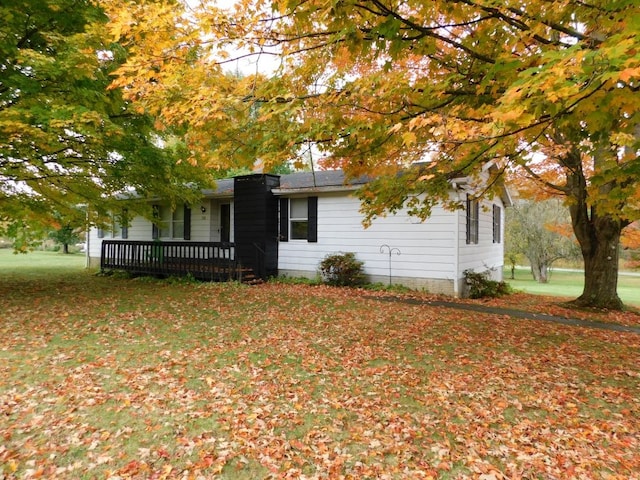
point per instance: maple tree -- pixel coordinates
(545, 89)
(631, 244)
(535, 230)
(65, 139)
(66, 233)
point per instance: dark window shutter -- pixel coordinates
(473, 219)
(497, 224)
(468, 219)
(155, 231)
(312, 217)
(284, 219)
(124, 223)
(187, 222)
(476, 221)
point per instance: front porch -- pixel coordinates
(211, 261)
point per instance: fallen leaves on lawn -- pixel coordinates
(560, 307)
(124, 379)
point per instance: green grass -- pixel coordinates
(39, 263)
(570, 284)
(109, 377)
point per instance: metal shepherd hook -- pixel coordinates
(390, 251)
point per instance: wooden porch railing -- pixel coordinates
(203, 260)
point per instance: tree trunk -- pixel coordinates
(539, 270)
(601, 267)
(65, 248)
(598, 235)
(543, 277)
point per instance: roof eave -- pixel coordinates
(326, 189)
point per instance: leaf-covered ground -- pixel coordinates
(557, 306)
(111, 378)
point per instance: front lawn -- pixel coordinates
(111, 378)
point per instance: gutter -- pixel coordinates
(331, 188)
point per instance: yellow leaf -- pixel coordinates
(408, 138)
(508, 115)
(396, 128)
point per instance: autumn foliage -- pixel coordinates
(630, 241)
(70, 147)
(136, 379)
(474, 89)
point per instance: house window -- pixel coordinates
(497, 224)
(175, 224)
(124, 223)
(115, 228)
(473, 211)
(119, 226)
(111, 232)
(165, 215)
(299, 219)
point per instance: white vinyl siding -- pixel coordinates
(115, 231)
(433, 253)
(485, 255)
(427, 248)
(204, 228)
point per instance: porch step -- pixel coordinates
(248, 277)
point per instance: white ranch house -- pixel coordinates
(285, 225)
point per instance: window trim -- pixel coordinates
(116, 227)
(299, 219)
(473, 220)
(312, 219)
(166, 228)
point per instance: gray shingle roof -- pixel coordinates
(224, 188)
(325, 179)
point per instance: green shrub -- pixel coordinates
(481, 286)
(121, 274)
(342, 269)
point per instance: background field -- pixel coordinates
(564, 283)
(39, 263)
